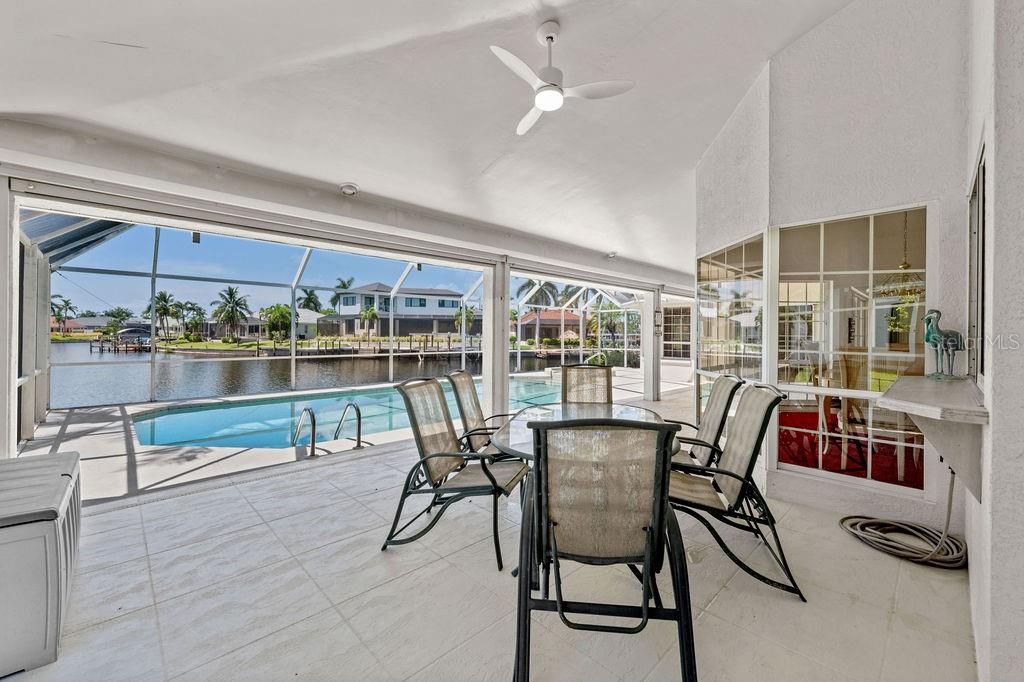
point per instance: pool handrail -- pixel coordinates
(359, 424)
(312, 429)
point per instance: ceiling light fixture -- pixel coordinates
(548, 98)
(349, 189)
(612, 254)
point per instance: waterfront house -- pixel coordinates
(417, 311)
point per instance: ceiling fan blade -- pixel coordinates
(518, 66)
(527, 122)
(599, 90)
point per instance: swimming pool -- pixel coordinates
(270, 422)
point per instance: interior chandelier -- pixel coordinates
(903, 284)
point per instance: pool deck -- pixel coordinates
(116, 467)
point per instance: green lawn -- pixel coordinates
(56, 337)
(179, 344)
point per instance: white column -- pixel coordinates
(293, 347)
(625, 338)
(650, 341)
(152, 316)
(392, 304)
(495, 340)
(26, 419)
(582, 313)
(293, 344)
(42, 337)
(561, 337)
(8, 322)
(462, 311)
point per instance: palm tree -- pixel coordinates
(368, 315)
(279, 320)
(610, 323)
(57, 310)
(118, 314)
(278, 317)
(195, 315)
(464, 314)
(161, 306)
(178, 313)
(62, 310)
(342, 284)
(309, 300)
(547, 293)
(231, 308)
(570, 290)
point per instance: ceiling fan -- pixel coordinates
(548, 92)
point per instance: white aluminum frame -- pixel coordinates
(600, 291)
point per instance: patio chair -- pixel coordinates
(586, 384)
(474, 424)
(725, 490)
(599, 496)
(446, 472)
(712, 422)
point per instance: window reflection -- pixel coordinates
(730, 299)
(850, 319)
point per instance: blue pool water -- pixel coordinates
(269, 423)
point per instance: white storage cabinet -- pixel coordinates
(40, 513)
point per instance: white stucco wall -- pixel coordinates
(732, 176)
(1004, 656)
(868, 113)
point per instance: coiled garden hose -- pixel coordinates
(940, 549)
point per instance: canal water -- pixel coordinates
(109, 382)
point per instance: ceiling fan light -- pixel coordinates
(548, 98)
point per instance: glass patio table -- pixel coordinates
(515, 437)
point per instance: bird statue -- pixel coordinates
(946, 343)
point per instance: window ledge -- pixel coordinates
(950, 414)
(957, 401)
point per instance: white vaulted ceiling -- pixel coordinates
(405, 99)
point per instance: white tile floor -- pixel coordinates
(283, 577)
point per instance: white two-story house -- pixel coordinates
(417, 311)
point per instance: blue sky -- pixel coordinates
(226, 257)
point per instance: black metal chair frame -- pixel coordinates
(466, 431)
(587, 367)
(749, 512)
(537, 546)
(418, 482)
(725, 413)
